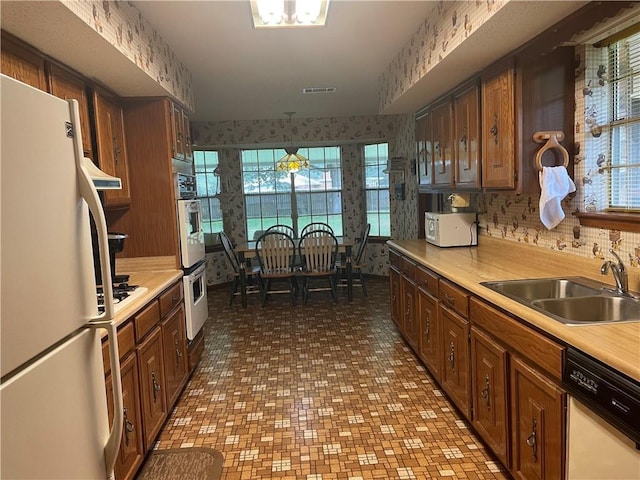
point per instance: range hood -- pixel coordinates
(101, 180)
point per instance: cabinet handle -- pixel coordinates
(452, 355)
(128, 427)
(463, 139)
(485, 392)
(494, 129)
(427, 328)
(450, 300)
(178, 354)
(156, 386)
(532, 441)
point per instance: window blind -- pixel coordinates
(624, 139)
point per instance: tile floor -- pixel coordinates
(320, 392)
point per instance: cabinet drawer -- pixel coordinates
(395, 259)
(454, 297)
(518, 337)
(126, 344)
(147, 319)
(427, 280)
(170, 298)
(408, 268)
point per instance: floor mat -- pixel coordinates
(183, 463)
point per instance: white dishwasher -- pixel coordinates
(603, 421)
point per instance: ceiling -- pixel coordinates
(240, 73)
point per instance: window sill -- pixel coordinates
(626, 222)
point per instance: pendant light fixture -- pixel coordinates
(292, 161)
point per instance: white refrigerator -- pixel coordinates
(53, 406)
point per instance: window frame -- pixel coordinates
(208, 171)
(287, 203)
(379, 164)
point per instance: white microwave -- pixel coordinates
(451, 229)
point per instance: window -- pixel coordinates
(278, 197)
(208, 183)
(376, 186)
(624, 118)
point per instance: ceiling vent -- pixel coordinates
(312, 90)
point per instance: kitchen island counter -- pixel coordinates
(617, 345)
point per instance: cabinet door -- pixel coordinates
(152, 386)
(442, 145)
(396, 299)
(423, 150)
(410, 320)
(131, 451)
(65, 85)
(19, 62)
(455, 350)
(429, 324)
(112, 154)
(186, 131)
(489, 393)
(174, 344)
(498, 130)
(538, 424)
(177, 132)
(467, 137)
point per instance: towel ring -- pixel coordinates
(553, 139)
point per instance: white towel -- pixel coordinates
(555, 184)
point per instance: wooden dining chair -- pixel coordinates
(251, 272)
(316, 226)
(358, 262)
(276, 255)
(319, 249)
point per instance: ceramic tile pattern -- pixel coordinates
(320, 392)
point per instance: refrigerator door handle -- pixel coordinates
(115, 435)
(90, 195)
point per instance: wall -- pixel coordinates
(123, 27)
(348, 132)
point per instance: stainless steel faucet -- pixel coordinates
(619, 273)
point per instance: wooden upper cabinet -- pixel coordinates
(186, 131)
(466, 111)
(112, 152)
(64, 84)
(22, 63)
(499, 128)
(441, 128)
(423, 150)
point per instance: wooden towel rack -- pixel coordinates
(552, 139)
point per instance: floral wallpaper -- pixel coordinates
(348, 132)
(122, 25)
(446, 27)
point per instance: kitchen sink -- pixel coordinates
(540, 288)
(571, 300)
(594, 309)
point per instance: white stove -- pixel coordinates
(123, 295)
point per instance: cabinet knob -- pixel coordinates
(452, 355)
(485, 392)
(156, 386)
(532, 440)
(128, 427)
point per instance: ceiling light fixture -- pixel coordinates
(289, 13)
(292, 161)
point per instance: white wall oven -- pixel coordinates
(192, 254)
(195, 300)
(191, 232)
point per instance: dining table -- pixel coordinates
(247, 250)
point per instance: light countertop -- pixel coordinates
(617, 345)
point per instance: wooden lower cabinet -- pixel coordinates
(489, 395)
(152, 385)
(455, 378)
(410, 319)
(396, 298)
(538, 424)
(430, 326)
(131, 453)
(174, 346)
